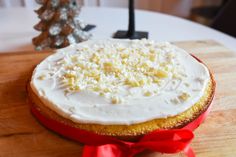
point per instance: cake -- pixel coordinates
(121, 88)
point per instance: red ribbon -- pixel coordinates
(163, 141)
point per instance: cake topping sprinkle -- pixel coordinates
(103, 68)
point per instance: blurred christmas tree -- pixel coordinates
(59, 24)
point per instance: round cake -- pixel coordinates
(121, 88)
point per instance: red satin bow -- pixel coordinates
(163, 141)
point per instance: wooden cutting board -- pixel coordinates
(22, 136)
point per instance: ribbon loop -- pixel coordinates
(166, 141)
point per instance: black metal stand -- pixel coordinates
(131, 33)
(89, 27)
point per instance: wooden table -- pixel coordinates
(22, 136)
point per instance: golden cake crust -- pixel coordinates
(134, 131)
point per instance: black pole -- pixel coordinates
(131, 27)
(131, 33)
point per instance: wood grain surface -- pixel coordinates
(22, 136)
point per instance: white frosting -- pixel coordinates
(183, 86)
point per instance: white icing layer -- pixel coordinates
(179, 81)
